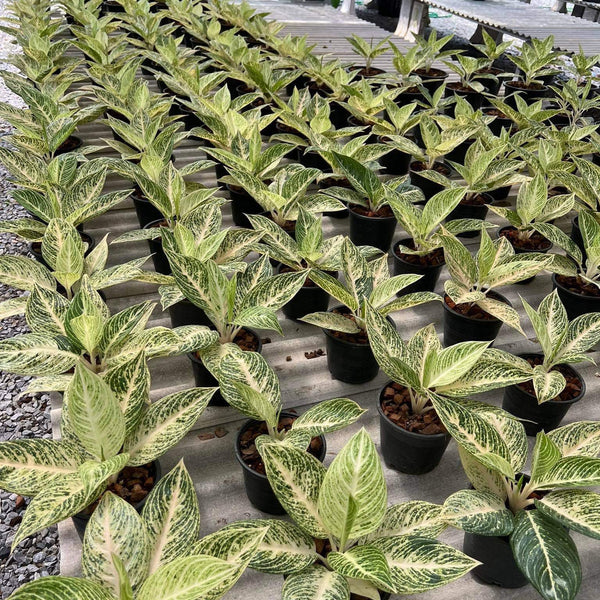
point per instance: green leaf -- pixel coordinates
(363, 562)
(579, 510)
(482, 477)
(45, 311)
(296, 478)
(477, 512)
(547, 556)
(328, 416)
(115, 528)
(571, 471)
(580, 438)
(164, 423)
(62, 587)
(545, 455)
(315, 582)
(13, 306)
(332, 321)
(419, 564)
(94, 413)
(355, 476)
(334, 288)
(25, 273)
(35, 354)
(547, 384)
(413, 518)
(171, 517)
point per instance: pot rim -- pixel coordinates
(554, 402)
(525, 250)
(409, 434)
(193, 358)
(571, 293)
(471, 319)
(396, 257)
(365, 217)
(249, 422)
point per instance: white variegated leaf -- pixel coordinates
(328, 416)
(55, 587)
(578, 510)
(363, 562)
(578, 439)
(36, 354)
(414, 518)
(316, 582)
(25, 273)
(332, 321)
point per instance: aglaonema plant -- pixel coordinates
(364, 547)
(107, 423)
(368, 51)
(537, 511)
(131, 556)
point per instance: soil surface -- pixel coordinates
(396, 406)
(334, 182)
(478, 200)
(384, 212)
(535, 242)
(250, 454)
(432, 73)
(472, 310)
(522, 85)
(70, 144)
(370, 72)
(245, 340)
(439, 167)
(572, 389)
(578, 285)
(433, 259)
(355, 338)
(455, 86)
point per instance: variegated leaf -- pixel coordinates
(334, 288)
(296, 478)
(452, 363)
(332, 321)
(414, 518)
(275, 291)
(328, 416)
(13, 306)
(236, 543)
(502, 311)
(171, 518)
(35, 354)
(56, 587)
(547, 384)
(478, 512)
(164, 423)
(27, 466)
(545, 455)
(583, 333)
(419, 564)
(578, 439)
(571, 471)
(50, 383)
(115, 528)
(547, 555)
(120, 326)
(25, 273)
(315, 582)
(363, 562)
(45, 311)
(578, 510)
(353, 496)
(94, 413)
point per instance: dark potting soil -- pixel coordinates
(370, 72)
(314, 353)
(397, 408)
(355, 338)
(288, 226)
(478, 200)
(162, 223)
(431, 73)
(494, 112)
(557, 190)
(433, 259)
(384, 212)
(334, 182)
(522, 85)
(250, 454)
(70, 144)
(133, 485)
(439, 167)
(572, 389)
(472, 310)
(536, 241)
(578, 285)
(457, 87)
(244, 340)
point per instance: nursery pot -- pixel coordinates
(459, 153)
(374, 230)
(159, 258)
(309, 298)
(576, 303)
(528, 94)
(395, 162)
(500, 122)
(473, 97)
(258, 489)
(242, 204)
(428, 187)
(185, 312)
(71, 144)
(204, 378)
(476, 209)
(498, 566)
(408, 451)
(465, 328)
(428, 267)
(36, 248)
(521, 250)
(144, 209)
(547, 416)
(81, 519)
(500, 193)
(313, 160)
(432, 79)
(349, 361)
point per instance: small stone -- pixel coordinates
(288, 359)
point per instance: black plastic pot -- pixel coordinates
(500, 194)
(258, 489)
(498, 564)
(431, 81)
(159, 258)
(499, 123)
(81, 519)
(458, 154)
(395, 162)
(349, 361)
(338, 115)
(492, 86)
(37, 253)
(372, 231)
(473, 97)
(576, 235)
(242, 204)
(525, 251)
(367, 129)
(430, 274)
(71, 144)
(300, 82)
(309, 299)
(471, 211)
(313, 160)
(406, 451)
(185, 312)
(428, 187)
(462, 328)
(576, 304)
(144, 209)
(529, 95)
(537, 417)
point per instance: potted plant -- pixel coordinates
(413, 438)
(108, 432)
(493, 51)
(469, 86)
(124, 550)
(429, 50)
(365, 103)
(521, 532)
(251, 386)
(349, 354)
(368, 51)
(555, 385)
(473, 310)
(363, 551)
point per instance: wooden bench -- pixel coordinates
(511, 17)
